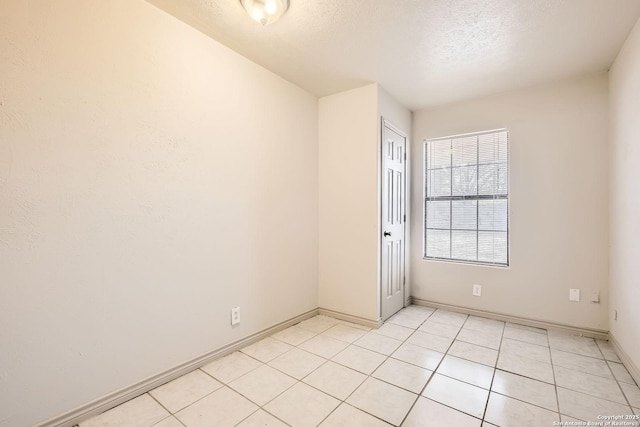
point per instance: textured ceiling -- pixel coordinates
(424, 52)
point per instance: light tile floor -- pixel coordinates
(423, 367)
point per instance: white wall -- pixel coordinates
(150, 180)
(348, 202)
(558, 203)
(624, 99)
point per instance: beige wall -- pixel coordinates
(150, 180)
(349, 216)
(348, 199)
(624, 98)
(558, 203)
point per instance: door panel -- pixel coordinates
(393, 221)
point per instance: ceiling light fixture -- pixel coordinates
(265, 11)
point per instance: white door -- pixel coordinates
(393, 220)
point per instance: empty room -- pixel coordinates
(319, 213)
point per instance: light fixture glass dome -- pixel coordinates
(265, 11)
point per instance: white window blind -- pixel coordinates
(467, 198)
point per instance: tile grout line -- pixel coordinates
(259, 407)
(613, 377)
(471, 361)
(548, 347)
(389, 356)
(501, 370)
(616, 379)
(297, 380)
(433, 374)
(555, 383)
(486, 406)
(326, 361)
(234, 390)
(529, 378)
(405, 340)
(171, 414)
(262, 407)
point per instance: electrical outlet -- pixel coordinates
(574, 294)
(235, 316)
(477, 290)
(595, 297)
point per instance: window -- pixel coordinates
(466, 200)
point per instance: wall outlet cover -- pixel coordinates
(235, 316)
(477, 290)
(574, 295)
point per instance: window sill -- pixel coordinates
(468, 263)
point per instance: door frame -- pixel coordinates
(384, 123)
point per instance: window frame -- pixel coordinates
(477, 197)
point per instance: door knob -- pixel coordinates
(387, 233)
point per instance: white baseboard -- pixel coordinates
(586, 332)
(95, 407)
(111, 400)
(625, 359)
(375, 324)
